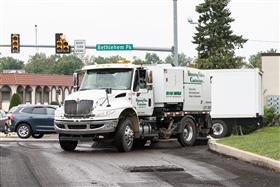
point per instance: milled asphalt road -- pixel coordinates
(45, 164)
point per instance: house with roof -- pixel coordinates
(34, 88)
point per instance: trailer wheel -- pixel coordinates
(67, 144)
(220, 129)
(124, 136)
(188, 136)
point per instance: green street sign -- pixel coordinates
(114, 47)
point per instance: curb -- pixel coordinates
(27, 140)
(244, 155)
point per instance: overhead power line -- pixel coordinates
(264, 41)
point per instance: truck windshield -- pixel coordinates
(117, 79)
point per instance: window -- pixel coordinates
(27, 110)
(140, 80)
(115, 78)
(6, 96)
(39, 110)
(50, 111)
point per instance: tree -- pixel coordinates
(67, 65)
(215, 40)
(137, 60)
(182, 58)
(15, 101)
(40, 63)
(102, 60)
(152, 58)
(256, 61)
(10, 63)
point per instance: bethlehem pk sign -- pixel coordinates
(114, 47)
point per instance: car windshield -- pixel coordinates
(115, 78)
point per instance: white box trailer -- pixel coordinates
(236, 99)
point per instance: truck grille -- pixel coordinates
(80, 108)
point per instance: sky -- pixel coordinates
(143, 23)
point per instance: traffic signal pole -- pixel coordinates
(160, 49)
(175, 33)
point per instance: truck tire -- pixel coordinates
(220, 129)
(124, 136)
(24, 131)
(67, 145)
(188, 136)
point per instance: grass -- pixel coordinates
(265, 142)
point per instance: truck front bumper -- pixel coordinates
(81, 126)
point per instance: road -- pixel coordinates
(162, 164)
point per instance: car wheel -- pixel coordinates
(124, 136)
(67, 144)
(188, 136)
(24, 131)
(37, 136)
(220, 129)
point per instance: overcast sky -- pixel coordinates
(139, 22)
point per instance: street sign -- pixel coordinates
(114, 47)
(80, 46)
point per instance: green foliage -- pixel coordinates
(220, 61)
(10, 63)
(137, 61)
(40, 63)
(215, 39)
(54, 103)
(152, 58)
(267, 141)
(269, 115)
(102, 60)
(256, 61)
(67, 64)
(15, 101)
(182, 58)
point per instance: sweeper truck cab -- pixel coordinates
(131, 104)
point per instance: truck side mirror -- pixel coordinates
(75, 81)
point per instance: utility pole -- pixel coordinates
(36, 44)
(175, 33)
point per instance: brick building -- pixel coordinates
(34, 88)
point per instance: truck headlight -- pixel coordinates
(103, 113)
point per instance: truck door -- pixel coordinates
(142, 95)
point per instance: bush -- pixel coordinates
(269, 115)
(15, 101)
(54, 103)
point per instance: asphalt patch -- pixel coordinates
(167, 168)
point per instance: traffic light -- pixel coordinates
(15, 43)
(61, 44)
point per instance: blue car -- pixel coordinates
(32, 120)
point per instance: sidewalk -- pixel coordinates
(12, 137)
(244, 155)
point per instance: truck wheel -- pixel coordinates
(220, 129)
(67, 145)
(124, 136)
(24, 131)
(188, 136)
(37, 136)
